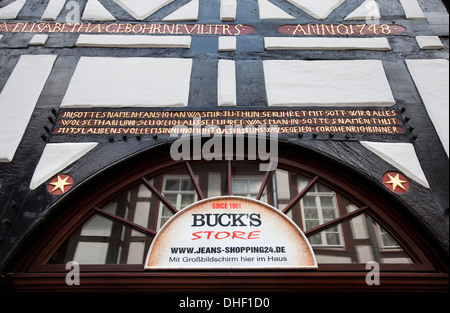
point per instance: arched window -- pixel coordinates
(346, 224)
(339, 229)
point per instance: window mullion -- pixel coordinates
(179, 197)
(159, 195)
(300, 195)
(320, 217)
(194, 181)
(263, 184)
(336, 221)
(124, 221)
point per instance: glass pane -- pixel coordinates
(302, 183)
(334, 229)
(172, 198)
(309, 202)
(282, 185)
(247, 180)
(263, 196)
(322, 188)
(388, 240)
(97, 226)
(333, 239)
(120, 245)
(135, 205)
(172, 185)
(254, 185)
(144, 191)
(136, 253)
(212, 178)
(141, 214)
(164, 221)
(214, 184)
(327, 202)
(363, 243)
(103, 241)
(187, 185)
(311, 214)
(111, 207)
(315, 240)
(91, 252)
(167, 212)
(187, 200)
(328, 214)
(310, 224)
(240, 186)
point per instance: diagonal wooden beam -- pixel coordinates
(126, 222)
(300, 195)
(159, 195)
(336, 221)
(194, 181)
(264, 183)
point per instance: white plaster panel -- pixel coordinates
(56, 157)
(129, 82)
(432, 80)
(269, 11)
(412, 9)
(227, 43)
(326, 43)
(369, 10)
(325, 83)
(188, 12)
(18, 100)
(11, 11)
(429, 42)
(141, 9)
(228, 10)
(53, 10)
(401, 155)
(94, 10)
(38, 40)
(319, 9)
(135, 41)
(226, 83)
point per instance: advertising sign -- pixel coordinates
(230, 233)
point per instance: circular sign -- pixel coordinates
(396, 182)
(60, 184)
(230, 233)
